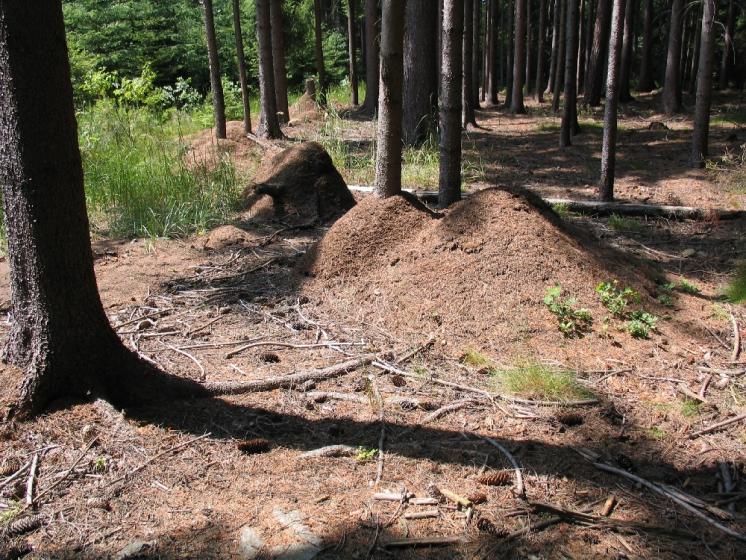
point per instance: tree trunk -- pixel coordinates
(686, 46)
(594, 72)
(590, 21)
(449, 190)
(539, 85)
(319, 51)
(218, 101)
(608, 146)
(509, 54)
(646, 82)
(269, 124)
(476, 58)
(554, 55)
(486, 52)
(671, 84)
(420, 71)
(519, 57)
(241, 58)
(351, 47)
(528, 81)
(695, 55)
(582, 34)
(704, 87)
(371, 57)
(569, 111)
(493, 61)
(728, 53)
(59, 332)
(559, 70)
(389, 133)
(278, 60)
(626, 55)
(469, 117)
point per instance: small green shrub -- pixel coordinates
(616, 300)
(562, 209)
(687, 287)
(572, 322)
(640, 324)
(365, 454)
(690, 408)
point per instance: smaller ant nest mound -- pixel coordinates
(206, 151)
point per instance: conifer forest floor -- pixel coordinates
(471, 426)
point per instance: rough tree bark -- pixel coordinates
(589, 23)
(269, 124)
(509, 53)
(695, 55)
(554, 55)
(476, 58)
(582, 39)
(351, 48)
(241, 58)
(672, 84)
(319, 51)
(726, 60)
(608, 146)
(449, 190)
(278, 60)
(626, 56)
(216, 86)
(701, 131)
(492, 63)
(420, 71)
(646, 82)
(370, 105)
(59, 333)
(594, 72)
(539, 84)
(559, 69)
(528, 81)
(389, 133)
(519, 58)
(569, 110)
(468, 53)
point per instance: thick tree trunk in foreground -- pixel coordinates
(351, 48)
(672, 84)
(701, 131)
(420, 71)
(492, 63)
(449, 190)
(646, 82)
(559, 69)
(539, 84)
(608, 146)
(554, 55)
(216, 86)
(594, 73)
(726, 61)
(278, 60)
(269, 124)
(469, 117)
(370, 105)
(519, 58)
(59, 332)
(389, 133)
(570, 111)
(626, 55)
(241, 58)
(319, 51)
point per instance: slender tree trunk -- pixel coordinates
(269, 124)
(695, 55)
(486, 52)
(509, 54)
(468, 115)
(589, 23)
(493, 64)
(626, 56)
(725, 62)
(218, 101)
(371, 57)
(351, 48)
(608, 146)
(594, 72)
(704, 87)
(439, 34)
(554, 56)
(539, 86)
(528, 80)
(560, 68)
(449, 190)
(476, 58)
(389, 133)
(672, 84)
(278, 60)
(319, 51)
(686, 48)
(646, 82)
(420, 71)
(519, 57)
(569, 111)
(582, 33)
(241, 58)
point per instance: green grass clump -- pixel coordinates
(533, 380)
(622, 223)
(687, 287)
(472, 357)
(735, 291)
(657, 433)
(572, 322)
(562, 209)
(365, 454)
(690, 408)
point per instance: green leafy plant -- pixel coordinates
(365, 454)
(657, 433)
(572, 322)
(617, 300)
(100, 465)
(687, 287)
(640, 324)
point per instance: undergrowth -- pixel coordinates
(735, 291)
(534, 380)
(572, 322)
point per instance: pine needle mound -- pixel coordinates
(206, 151)
(475, 275)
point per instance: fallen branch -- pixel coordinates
(330, 344)
(423, 541)
(736, 339)
(428, 513)
(31, 480)
(68, 471)
(520, 489)
(16, 475)
(446, 409)
(330, 451)
(412, 353)
(717, 426)
(336, 370)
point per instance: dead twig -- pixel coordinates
(31, 480)
(16, 475)
(68, 471)
(717, 426)
(520, 489)
(330, 451)
(736, 339)
(412, 353)
(446, 409)
(330, 344)
(423, 541)
(188, 355)
(705, 385)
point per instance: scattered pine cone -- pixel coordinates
(487, 526)
(497, 478)
(99, 503)
(9, 466)
(253, 446)
(269, 357)
(477, 498)
(569, 418)
(15, 551)
(434, 492)
(398, 380)
(624, 461)
(25, 525)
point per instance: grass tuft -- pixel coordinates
(623, 223)
(735, 291)
(534, 380)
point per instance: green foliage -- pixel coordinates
(640, 324)
(365, 454)
(623, 223)
(532, 379)
(616, 300)
(687, 287)
(9, 514)
(657, 433)
(572, 322)
(690, 408)
(562, 209)
(735, 291)
(100, 465)
(472, 357)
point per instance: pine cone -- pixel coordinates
(253, 446)
(9, 466)
(25, 525)
(477, 498)
(269, 357)
(398, 380)
(14, 551)
(487, 526)
(497, 478)
(99, 503)
(434, 492)
(569, 418)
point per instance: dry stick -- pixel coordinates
(382, 437)
(330, 451)
(658, 490)
(289, 345)
(715, 336)
(424, 541)
(31, 480)
(412, 353)
(729, 372)
(215, 320)
(428, 513)
(718, 426)
(728, 485)
(68, 471)
(705, 385)
(188, 355)
(446, 409)
(336, 370)
(520, 489)
(143, 318)
(15, 475)
(221, 344)
(736, 339)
